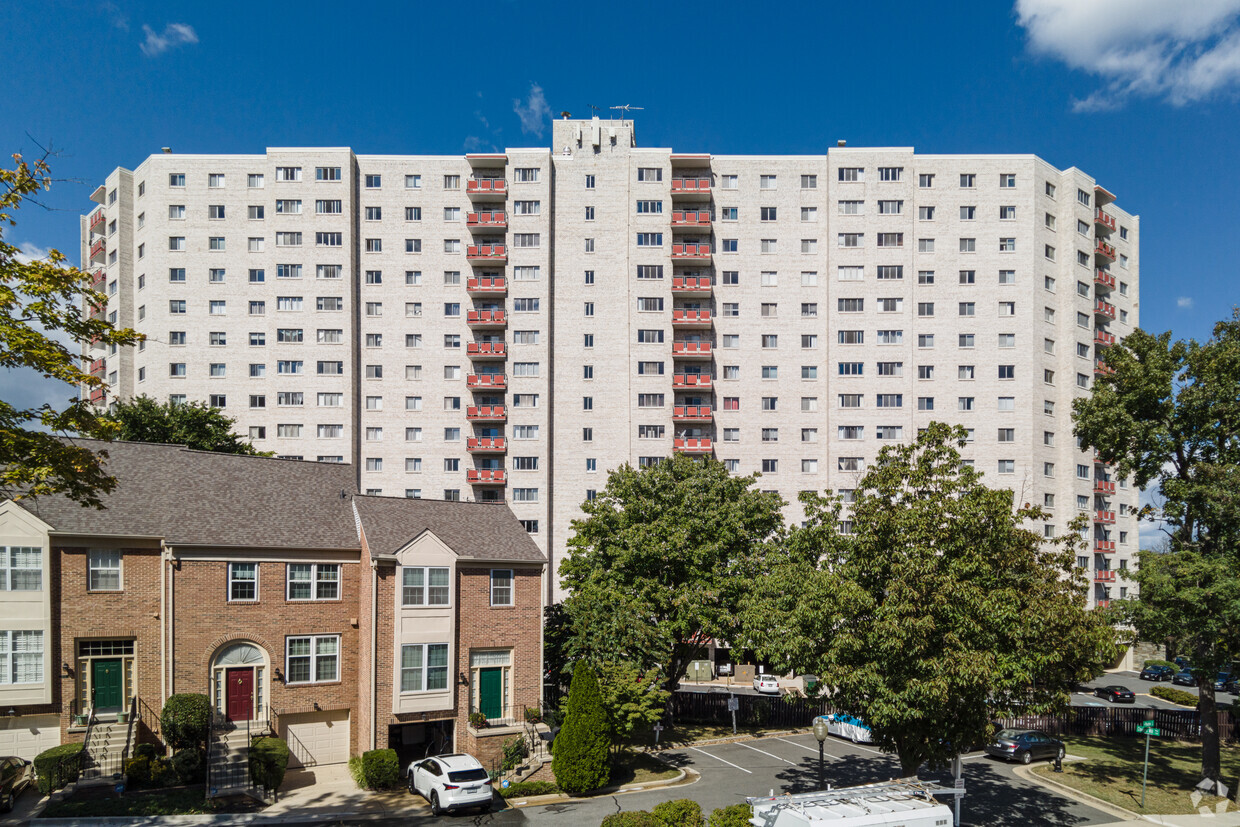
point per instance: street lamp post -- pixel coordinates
(820, 732)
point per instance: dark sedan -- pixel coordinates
(16, 774)
(1184, 677)
(1224, 682)
(1157, 672)
(1024, 745)
(1116, 694)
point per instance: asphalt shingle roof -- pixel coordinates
(482, 531)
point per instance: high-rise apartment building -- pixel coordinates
(512, 326)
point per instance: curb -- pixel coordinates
(710, 742)
(1076, 795)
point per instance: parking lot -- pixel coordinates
(1141, 688)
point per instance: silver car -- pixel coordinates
(451, 782)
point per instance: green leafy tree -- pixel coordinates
(186, 720)
(661, 560)
(634, 699)
(941, 610)
(1169, 416)
(43, 303)
(581, 756)
(195, 425)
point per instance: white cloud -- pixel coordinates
(534, 113)
(28, 252)
(173, 35)
(1184, 302)
(115, 14)
(1178, 50)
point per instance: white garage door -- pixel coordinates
(27, 735)
(316, 738)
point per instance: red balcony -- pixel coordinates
(487, 286)
(1104, 250)
(97, 280)
(487, 253)
(1103, 308)
(1104, 517)
(1103, 604)
(487, 187)
(1104, 576)
(1105, 279)
(486, 445)
(487, 220)
(486, 350)
(1101, 337)
(690, 186)
(486, 318)
(703, 445)
(691, 350)
(98, 395)
(1104, 220)
(487, 476)
(1104, 487)
(691, 218)
(692, 380)
(486, 381)
(1102, 368)
(97, 221)
(690, 252)
(692, 413)
(691, 285)
(1104, 546)
(97, 251)
(486, 413)
(691, 318)
(98, 367)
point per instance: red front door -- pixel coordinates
(239, 693)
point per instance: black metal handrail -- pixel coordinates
(133, 717)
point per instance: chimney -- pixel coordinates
(167, 150)
(841, 143)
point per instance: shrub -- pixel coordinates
(268, 761)
(145, 751)
(138, 772)
(189, 766)
(682, 812)
(186, 720)
(735, 815)
(163, 774)
(356, 771)
(581, 760)
(477, 720)
(515, 750)
(1161, 662)
(381, 769)
(1175, 696)
(533, 714)
(523, 789)
(58, 766)
(632, 818)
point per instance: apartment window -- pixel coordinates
(1007, 403)
(967, 308)
(770, 466)
(925, 340)
(925, 309)
(501, 587)
(890, 207)
(422, 586)
(242, 582)
(103, 570)
(890, 173)
(770, 403)
(850, 239)
(649, 174)
(21, 657)
(968, 245)
(1049, 252)
(1007, 308)
(1007, 466)
(925, 245)
(1083, 197)
(968, 180)
(1007, 245)
(176, 243)
(21, 570)
(925, 403)
(851, 174)
(889, 400)
(925, 180)
(850, 207)
(312, 659)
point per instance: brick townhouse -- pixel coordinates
(271, 586)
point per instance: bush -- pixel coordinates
(683, 812)
(477, 720)
(138, 772)
(186, 720)
(632, 818)
(381, 769)
(356, 771)
(189, 766)
(163, 774)
(1175, 696)
(515, 750)
(735, 815)
(1160, 662)
(581, 760)
(523, 789)
(145, 751)
(58, 766)
(533, 715)
(268, 761)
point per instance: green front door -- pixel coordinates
(107, 685)
(491, 692)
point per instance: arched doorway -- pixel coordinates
(239, 674)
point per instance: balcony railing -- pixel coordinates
(97, 280)
(488, 253)
(97, 395)
(1104, 278)
(1105, 250)
(690, 186)
(488, 220)
(487, 350)
(98, 367)
(1104, 308)
(1104, 486)
(1105, 220)
(486, 445)
(486, 413)
(97, 251)
(692, 413)
(486, 381)
(691, 218)
(486, 186)
(1102, 368)
(691, 380)
(97, 221)
(1101, 337)
(1104, 546)
(487, 286)
(691, 252)
(691, 318)
(487, 476)
(691, 445)
(691, 349)
(1104, 517)
(1104, 576)
(692, 285)
(486, 318)
(1103, 604)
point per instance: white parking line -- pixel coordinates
(717, 758)
(802, 746)
(764, 752)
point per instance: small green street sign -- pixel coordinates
(1148, 728)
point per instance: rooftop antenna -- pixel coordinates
(628, 107)
(594, 109)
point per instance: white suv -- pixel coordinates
(451, 782)
(766, 684)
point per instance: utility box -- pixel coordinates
(743, 673)
(700, 670)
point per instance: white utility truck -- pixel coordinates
(906, 802)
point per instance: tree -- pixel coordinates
(186, 720)
(1169, 414)
(40, 299)
(634, 700)
(938, 612)
(581, 749)
(195, 425)
(661, 560)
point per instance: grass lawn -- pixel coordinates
(638, 768)
(684, 734)
(1113, 772)
(190, 801)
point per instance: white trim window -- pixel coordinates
(313, 581)
(21, 569)
(103, 567)
(21, 657)
(242, 582)
(312, 659)
(425, 586)
(423, 667)
(501, 587)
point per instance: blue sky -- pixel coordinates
(1141, 94)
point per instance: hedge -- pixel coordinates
(189, 766)
(381, 769)
(1175, 696)
(523, 789)
(355, 770)
(268, 761)
(186, 720)
(632, 818)
(1161, 662)
(735, 815)
(683, 812)
(53, 775)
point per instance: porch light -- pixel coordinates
(464, 680)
